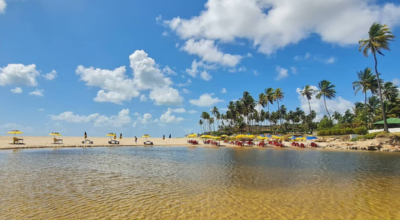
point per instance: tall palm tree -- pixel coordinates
(278, 96)
(379, 39)
(269, 98)
(366, 82)
(215, 113)
(206, 117)
(337, 116)
(326, 90)
(308, 92)
(201, 125)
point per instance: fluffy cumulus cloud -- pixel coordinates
(205, 100)
(168, 118)
(16, 90)
(166, 96)
(3, 6)
(339, 104)
(169, 71)
(208, 52)
(223, 90)
(145, 119)
(117, 87)
(50, 76)
(120, 120)
(300, 57)
(143, 98)
(282, 73)
(19, 74)
(37, 92)
(274, 24)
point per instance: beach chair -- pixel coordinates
(18, 140)
(86, 141)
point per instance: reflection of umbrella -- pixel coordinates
(120, 136)
(85, 135)
(14, 132)
(111, 135)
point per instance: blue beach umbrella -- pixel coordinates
(311, 138)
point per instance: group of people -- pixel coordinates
(163, 137)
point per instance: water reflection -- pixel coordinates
(198, 183)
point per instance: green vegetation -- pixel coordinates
(248, 115)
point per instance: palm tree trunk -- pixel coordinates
(365, 110)
(279, 114)
(327, 109)
(309, 105)
(385, 126)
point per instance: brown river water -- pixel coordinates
(198, 183)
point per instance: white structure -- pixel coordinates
(391, 130)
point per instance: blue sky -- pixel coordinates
(130, 66)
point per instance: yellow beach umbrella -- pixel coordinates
(14, 132)
(111, 135)
(240, 136)
(55, 134)
(191, 136)
(277, 137)
(205, 136)
(146, 136)
(261, 138)
(301, 138)
(224, 136)
(250, 136)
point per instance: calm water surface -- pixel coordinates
(198, 183)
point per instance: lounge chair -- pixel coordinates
(113, 142)
(86, 141)
(18, 140)
(58, 141)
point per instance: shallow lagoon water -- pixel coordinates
(198, 183)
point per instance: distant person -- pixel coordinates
(163, 137)
(169, 136)
(135, 140)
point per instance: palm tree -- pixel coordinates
(269, 98)
(211, 121)
(366, 82)
(326, 89)
(337, 116)
(308, 92)
(206, 117)
(379, 39)
(278, 96)
(201, 125)
(390, 91)
(215, 113)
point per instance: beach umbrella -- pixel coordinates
(277, 136)
(111, 135)
(14, 132)
(85, 135)
(146, 136)
(261, 138)
(191, 136)
(224, 136)
(292, 138)
(269, 136)
(205, 136)
(240, 136)
(311, 138)
(300, 138)
(250, 136)
(120, 136)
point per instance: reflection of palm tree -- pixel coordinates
(378, 40)
(326, 90)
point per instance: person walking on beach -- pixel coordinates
(169, 136)
(163, 137)
(135, 140)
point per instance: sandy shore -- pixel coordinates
(47, 142)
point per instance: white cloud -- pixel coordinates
(185, 84)
(147, 118)
(178, 110)
(16, 90)
(166, 96)
(169, 71)
(274, 24)
(210, 53)
(37, 92)
(50, 76)
(255, 72)
(117, 87)
(3, 6)
(41, 110)
(143, 98)
(168, 118)
(205, 100)
(19, 74)
(120, 120)
(249, 55)
(159, 19)
(396, 81)
(197, 66)
(205, 76)
(282, 73)
(329, 60)
(339, 104)
(192, 111)
(293, 69)
(136, 114)
(223, 90)
(305, 57)
(165, 34)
